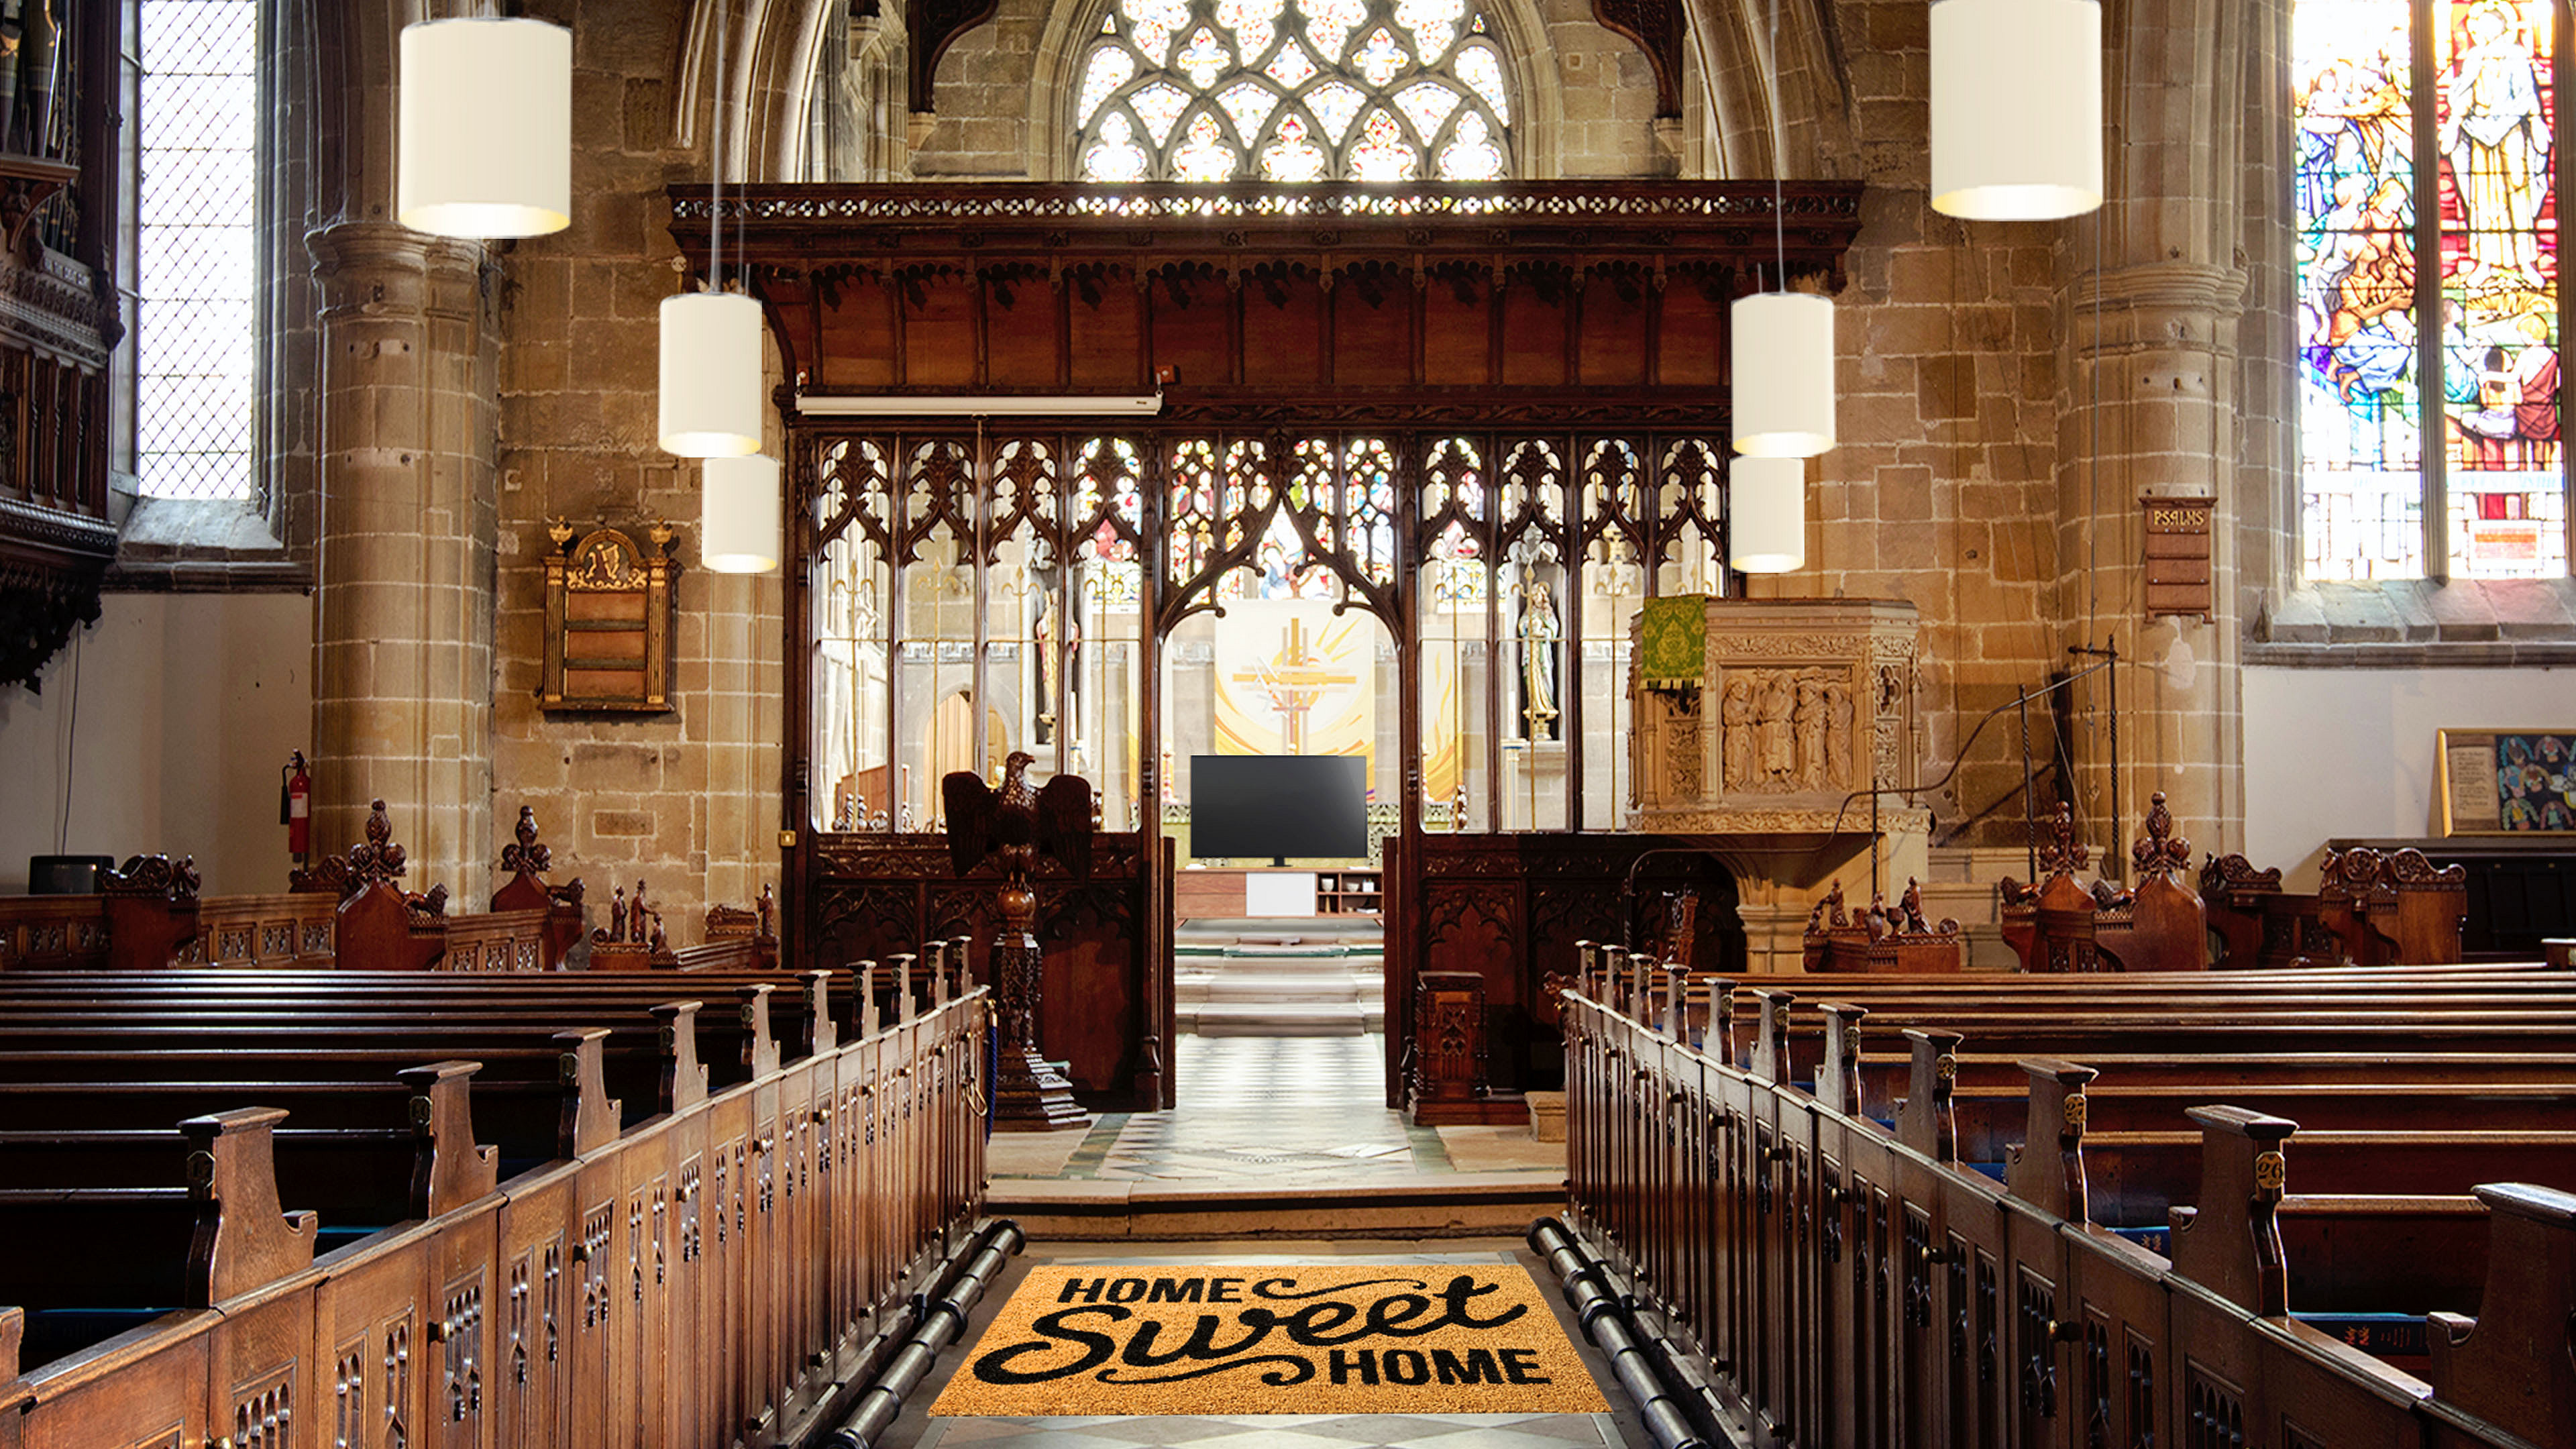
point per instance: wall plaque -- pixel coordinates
(608, 620)
(2178, 555)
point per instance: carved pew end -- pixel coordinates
(2515, 1363)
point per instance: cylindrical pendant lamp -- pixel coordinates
(2016, 108)
(485, 146)
(710, 375)
(1766, 515)
(1783, 375)
(739, 515)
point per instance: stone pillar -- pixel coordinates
(2151, 312)
(402, 682)
(2150, 376)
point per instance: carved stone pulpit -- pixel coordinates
(1762, 729)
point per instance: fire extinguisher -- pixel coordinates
(295, 806)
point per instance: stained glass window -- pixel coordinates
(2444, 215)
(195, 216)
(1294, 91)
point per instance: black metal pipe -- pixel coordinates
(938, 1322)
(1638, 1362)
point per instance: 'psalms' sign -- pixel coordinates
(1416, 1338)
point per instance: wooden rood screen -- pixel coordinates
(1477, 423)
(285, 1208)
(2084, 1232)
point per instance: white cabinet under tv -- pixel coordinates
(1279, 893)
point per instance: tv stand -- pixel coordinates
(1279, 893)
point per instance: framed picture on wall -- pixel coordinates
(2508, 782)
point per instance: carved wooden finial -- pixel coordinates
(2160, 852)
(376, 858)
(2059, 852)
(560, 530)
(526, 856)
(156, 876)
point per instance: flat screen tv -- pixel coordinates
(1245, 807)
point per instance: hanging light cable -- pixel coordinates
(484, 128)
(710, 406)
(1782, 351)
(2016, 108)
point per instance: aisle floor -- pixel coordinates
(1266, 1109)
(917, 1429)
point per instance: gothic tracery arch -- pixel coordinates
(1293, 90)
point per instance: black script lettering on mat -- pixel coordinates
(1360, 1326)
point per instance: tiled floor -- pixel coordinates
(916, 1430)
(1268, 1108)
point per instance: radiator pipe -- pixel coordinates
(938, 1322)
(1605, 1322)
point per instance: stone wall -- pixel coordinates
(688, 800)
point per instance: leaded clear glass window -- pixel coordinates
(195, 246)
(1293, 90)
(2428, 296)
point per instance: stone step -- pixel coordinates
(1216, 1018)
(1225, 988)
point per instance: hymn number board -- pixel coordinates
(2177, 555)
(608, 620)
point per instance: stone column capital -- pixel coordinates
(2170, 284)
(383, 265)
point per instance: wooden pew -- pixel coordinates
(2371, 908)
(85, 1262)
(1845, 1284)
(763, 1233)
(2158, 925)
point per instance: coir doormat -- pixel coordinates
(1428, 1338)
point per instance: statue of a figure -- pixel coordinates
(1775, 729)
(1838, 734)
(1539, 633)
(617, 916)
(1736, 713)
(1810, 719)
(1050, 668)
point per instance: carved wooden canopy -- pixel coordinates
(58, 326)
(1526, 302)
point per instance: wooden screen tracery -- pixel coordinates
(963, 574)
